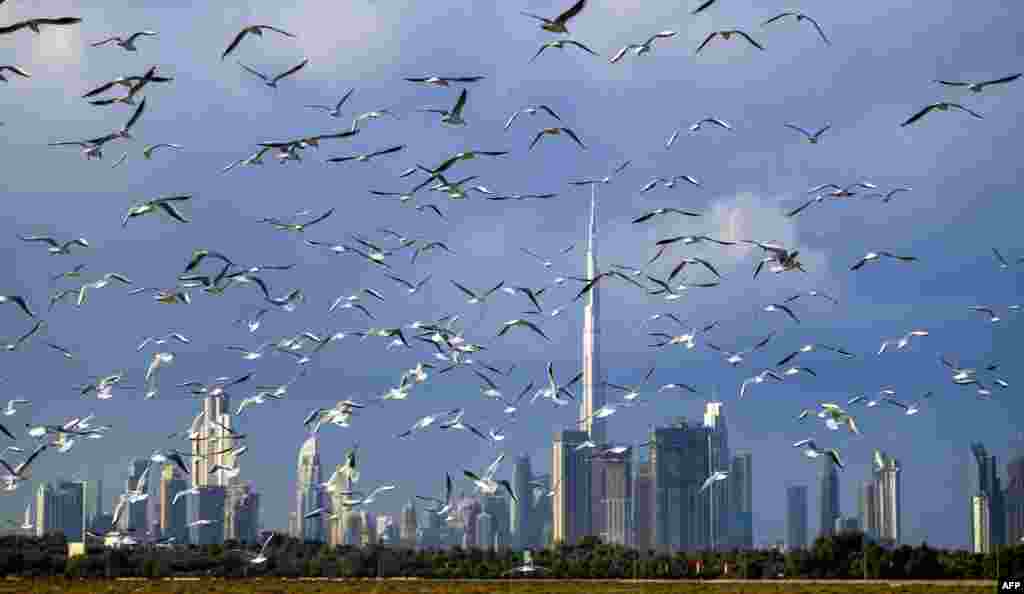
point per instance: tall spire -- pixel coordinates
(593, 381)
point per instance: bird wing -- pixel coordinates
(621, 52)
(800, 208)
(171, 212)
(698, 10)
(135, 116)
(751, 40)
(254, 71)
(917, 115)
(775, 18)
(276, 30)
(704, 43)
(386, 151)
(571, 12)
(105, 41)
(574, 137)
(460, 103)
(291, 70)
(1000, 81)
(817, 27)
(234, 43)
(962, 108)
(549, 111)
(581, 46)
(799, 129)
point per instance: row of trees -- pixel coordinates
(840, 556)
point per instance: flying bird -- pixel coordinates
(451, 117)
(164, 205)
(876, 257)
(978, 87)
(812, 137)
(531, 110)
(256, 30)
(272, 81)
(126, 43)
(560, 44)
(726, 35)
(555, 132)
(13, 69)
(800, 17)
(941, 106)
(35, 25)
(367, 156)
(640, 49)
(335, 110)
(558, 24)
(443, 81)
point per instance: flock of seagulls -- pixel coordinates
(443, 345)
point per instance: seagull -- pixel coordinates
(782, 308)
(441, 507)
(14, 69)
(523, 323)
(56, 248)
(642, 48)
(297, 227)
(902, 341)
(807, 348)
(560, 44)
(272, 82)
(552, 391)
(992, 317)
(591, 283)
(349, 502)
(811, 451)
(978, 87)
(813, 293)
(21, 339)
(486, 483)
(427, 421)
(662, 211)
(631, 392)
(800, 17)
(475, 298)
(910, 409)
(456, 423)
(558, 24)
(887, 197)
(165, 205)
(718, 475)
(11, 404)
(941, 106)
(511, 407)
(759, 379)
(669, 182)
(876, 257)
(837, 192)
(726, 35)
(262, 556)
(127, 43)
(531, 110)
(125, 131)
(335, 111)
(735, 358)
(812, 137)
(256, 30)
(35, 25)
(451, 117)
(366, 157)
(555, 132)
(148, 151)
(444, 81)
(686, 387)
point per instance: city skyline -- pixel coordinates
(750, 177)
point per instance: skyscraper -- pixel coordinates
(617, 501)
(241, 512)
(498, 508)
(485, 531)
(92, 502)
(981, 541)
(887, 491)
(308, 495)
(828, 497)
(408, 526)
(593, 380)
(570, 471)
(593, 386)
(741, 496)
(173, 517)
(718, 459)
(985, 475)
(679, 514)
(868, 500)
(214, 441)
(796, 517)
(208, 504)
(1014, 500)
(519, 522)
(541, 514)
(643, 504)
(134, 515)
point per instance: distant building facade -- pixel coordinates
(828, 497)
(741, 500)
(796, 517)
(570, 470)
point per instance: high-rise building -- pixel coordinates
(644, 498)
(485, 531)
(981, 541)
(519, 521)
(593, 384)
(240, 512)
(469, 511)
(985, 481)
(214, 443)
(173, 516)
(868, 506)
(308, 494)
(680, 515)
(369, 533)
(1014, 500)
(887, 490)
(294, 527)
(570, 471)
(59, 508)
(617, 516)
(796, 517)
(498, 508)
(46, 510)
(92, 503)
(541, 514)
(828, 497)
(716, 497)
(209, 505)
(741, 500)
(133, 517)
(408, 527)
(352, 522)
(247, 517)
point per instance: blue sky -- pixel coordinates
(877, 72)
